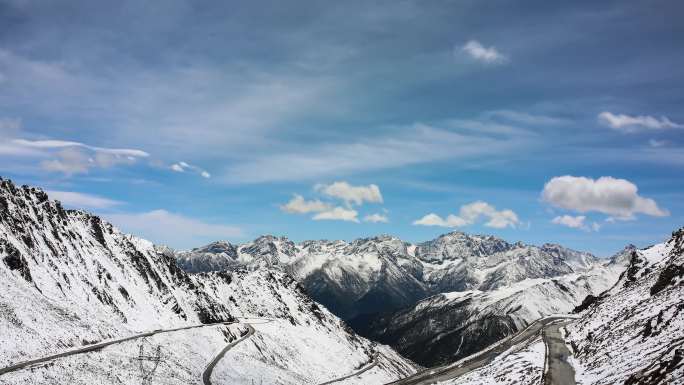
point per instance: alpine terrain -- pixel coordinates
(83, 303)
(436, 301)
(632, 333)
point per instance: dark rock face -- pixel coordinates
(14, 260)
(441, 334)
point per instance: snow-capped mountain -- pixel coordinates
(70, 280)
(435, 301)
(384, 273)
(633, 333)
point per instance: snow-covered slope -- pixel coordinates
(449, 326)
(69, 279)
(634, 333)
(483, 288)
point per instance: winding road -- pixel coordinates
(454, 370)
(98, 346)
(373, 363)
(206, 375)
(558, 370)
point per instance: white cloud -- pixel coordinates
(298, 205)
(470, 214)
(183, 166)
(161, 226)
(351, 194)
(629, 124)
(575, 222)
(338, 214)
(433, 219)
(479, 52)
(376, 218)
(341, 191)
(608, 195)
(81, 200)
(570, 221)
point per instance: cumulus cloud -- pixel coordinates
(376, 218)
(351, 194)
(183, 167)
(470, 214)
(575, 222)
(298, 205)
(176, 230)
(338, 214)
(81, 200)
(479, 52)
(616, 197)
(629, 124)
(335, 193)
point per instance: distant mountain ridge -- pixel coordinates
(384, 273)
(434, 301)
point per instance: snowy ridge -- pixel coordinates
(635, 332)
(384, 273)
(70, 279)
(631, 334)
(462, 290)
(449, 326)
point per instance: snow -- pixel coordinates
(633, 330)
(522, 365)
(75, 280)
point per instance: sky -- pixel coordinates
(188, 122)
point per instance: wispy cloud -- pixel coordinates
(82, 200)
(657, 143)
(69, 157)
(183, 167)
(630, 124)
(419, 143)
(484, 54)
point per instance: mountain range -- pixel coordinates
(423, 299)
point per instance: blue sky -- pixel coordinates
(190, 122)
